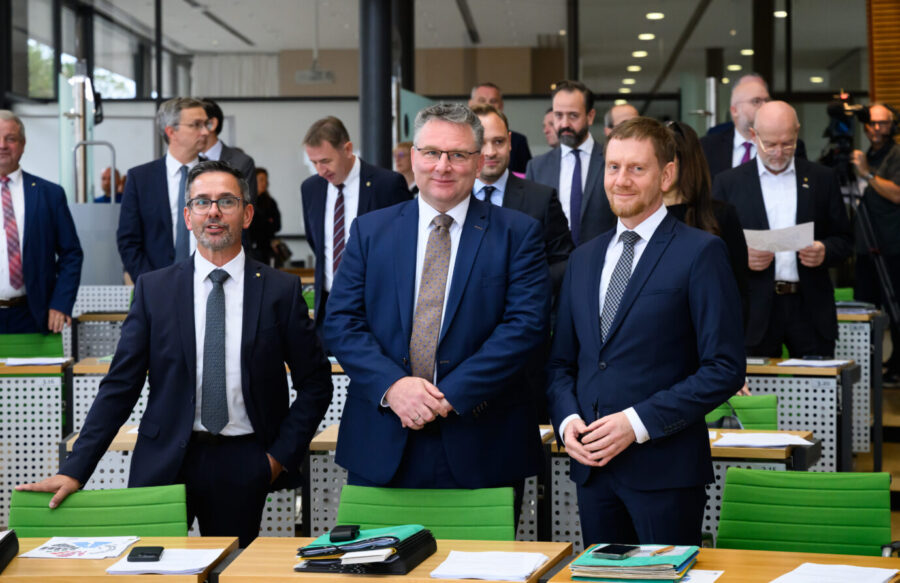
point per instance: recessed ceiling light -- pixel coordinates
(628, 81)
(646, 36)
(816, 79)
(624, 90)
(725, 80)
(734, 67)
(655, 16)
(562, 32)
(639, 54)
(620, 102)
(780, 14)
(747, 52)
(633, 68)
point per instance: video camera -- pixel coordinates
(842, 113)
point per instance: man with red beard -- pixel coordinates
(791, 298)
(648, 340)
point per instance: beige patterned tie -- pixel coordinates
(427, 319)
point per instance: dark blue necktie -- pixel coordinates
(214, 404)
(488, 191)
(575, 198)
(182, 246)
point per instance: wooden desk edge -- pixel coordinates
(777, 453)
(103, 317)
(36, 369)
(806, 371)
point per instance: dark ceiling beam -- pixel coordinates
(468, 20)
(702, 5)
(222, 24)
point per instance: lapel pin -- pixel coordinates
(479, 227)
(257, 274)
(34, 184)
(368, 183)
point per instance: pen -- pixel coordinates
(662, 550)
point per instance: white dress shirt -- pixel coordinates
(351, 207)
(780, 197)
(737, 153)
(215, 152)
(17, 192)
(567, 168)
(238, 421)
(613, 252)
(176, 201)
(499, 185)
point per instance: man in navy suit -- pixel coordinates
(40, 255)
(573, 112)
(344, 188)
(215, 332)
(489, 94)
(791, 298)
(437, 307)
(216, 149)
(648, 340)
(151, 234)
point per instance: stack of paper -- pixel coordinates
(495, 566)
(813, 363)
(666, 566)
(815, 573)
(78, 547)
(172, 562)
(36, 361)
(760, 440)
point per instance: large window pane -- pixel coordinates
(33, 55)
(116, 60)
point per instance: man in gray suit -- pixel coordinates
(216, 149)
(575, 168)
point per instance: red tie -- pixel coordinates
(12, 235)
(338, 240)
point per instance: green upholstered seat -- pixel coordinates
(30, 345)
(843, 294)
(754, 411)
(843, 513)
(483, 514)
(155, 511)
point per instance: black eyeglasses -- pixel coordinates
(209, 124)
(202, 206)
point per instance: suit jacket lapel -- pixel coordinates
(477, 219)
(404, 260)
(30, 190)
(514, 197)
(804, 196)
(595, 170)
(555, 164)
(756, 201)
(317, 210)
(645, 266)
(365, 189)
(165, 207)
(592, 295)
(184, 284)
(253, 289)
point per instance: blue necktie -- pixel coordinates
(182, 245)
(214, 404)
(575, 198)
(488, 191)
(618, 282)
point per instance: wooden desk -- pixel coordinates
(34, 370)
(123, 441)
(762, 566)
(272, 560)
(90, 570)
(819, 399)
(103, 317)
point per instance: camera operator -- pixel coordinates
(880, 168)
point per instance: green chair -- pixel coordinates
(30, 345)
(155, 511)
(843, 294)
(484, 514)
(842, 513)
(310, 297)
(754, 411)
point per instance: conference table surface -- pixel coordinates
(88, 570)
(272, 559)
(100, 365)
(763, 566)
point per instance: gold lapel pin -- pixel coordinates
(257, 274)
(34, 184)
(368, 183)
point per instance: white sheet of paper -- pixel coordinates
(701, 576)
(777, 240)
(493, 565)
(712, 434)
(172, 562)
(813, 363)
(816, 573)
(36, 361)
(759, 440)
(81, 547)
(544, 431)
(133, 430)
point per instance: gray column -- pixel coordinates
(403, 14)
(375, 81)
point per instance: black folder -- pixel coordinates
(9, 548)
(410, 552)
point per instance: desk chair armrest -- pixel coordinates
(889, 550)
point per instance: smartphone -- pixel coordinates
(615, 552)
(145, 554)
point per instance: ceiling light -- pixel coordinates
(655, 15)
(624, 90)
(628, 81)
(780, 14)
(633, 68)
(639, 54)
(725, 80)
(734, 67)
(562, 32)
(816, 79)
(620, 102)
(747, 52)
(646, 36)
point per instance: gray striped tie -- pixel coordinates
(618, 282)
(214, 405)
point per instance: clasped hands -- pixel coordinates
(596, 444)
(811, 256)
(416, 402)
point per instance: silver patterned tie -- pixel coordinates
(618, 282)
(214, 405)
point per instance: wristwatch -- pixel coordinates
(870, 176)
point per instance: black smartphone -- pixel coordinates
(615, 552)
(145, 554)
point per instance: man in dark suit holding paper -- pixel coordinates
(214, 332)
(648, 340)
